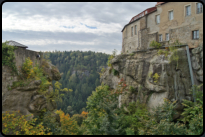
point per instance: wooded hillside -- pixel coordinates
(80, 73)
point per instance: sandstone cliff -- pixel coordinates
(138, 69)
(26, 99)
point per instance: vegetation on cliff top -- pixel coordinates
(8, 56)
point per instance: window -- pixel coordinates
(195, 34)
(158, 19)
(132, 31)
(171, 15)
(167, 36)
(135, 29)
(199, 8)
(160, 38)
(188, 10)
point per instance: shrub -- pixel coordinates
(17, 124)
(8, 56)
(155, 44)
(132, 89)
(165, 52)
(68, 126)
(156, 77)
(115, 72)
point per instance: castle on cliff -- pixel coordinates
(165, 23)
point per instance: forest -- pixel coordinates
(89, 107)
(80, 72)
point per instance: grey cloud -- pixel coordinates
(106, 12)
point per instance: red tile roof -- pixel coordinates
(145, 12)
(158, 3)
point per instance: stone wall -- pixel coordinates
(20, 55)
(184, 35)
(153, 36)
(144, 37)
(143, 23)
(180, 27)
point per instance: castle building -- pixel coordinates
(165, 23)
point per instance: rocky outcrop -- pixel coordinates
(27, 99)
(197, 65)
(51, 71)
(80, 73)
(138, 70)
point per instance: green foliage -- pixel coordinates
(102, 71)
(109, 59)
(48, 121)
(156, 77)
(87, 66)
(159, 122)
(129, 131)
(114, 53)
(79, 118)
(102, 118)
(131, 54)
(115, 72)
(173, 49)
(176, 43)
(193, 113)
(163, 52)
(57, 95)
(8, 56)
(132, 89)
(155, 44)
(16, 124)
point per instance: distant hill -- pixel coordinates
(80, 73)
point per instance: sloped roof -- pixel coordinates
(14, 43)
(158, 3)
(141, 14)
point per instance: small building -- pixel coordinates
(14, 43)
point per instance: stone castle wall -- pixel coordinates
(20, 55)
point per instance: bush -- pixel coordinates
(8, 57)
(156, 77)
(115, 72)
(68, 126)
(17, 124)
(155, 44)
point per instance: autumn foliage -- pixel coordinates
(84, 114)
(17, 124)
(68, 127)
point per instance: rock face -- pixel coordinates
(138, 69)
(26, 99)
(51, 71)
(197, 65)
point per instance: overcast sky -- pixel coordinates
(69, 26)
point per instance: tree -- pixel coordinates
(102, 117)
